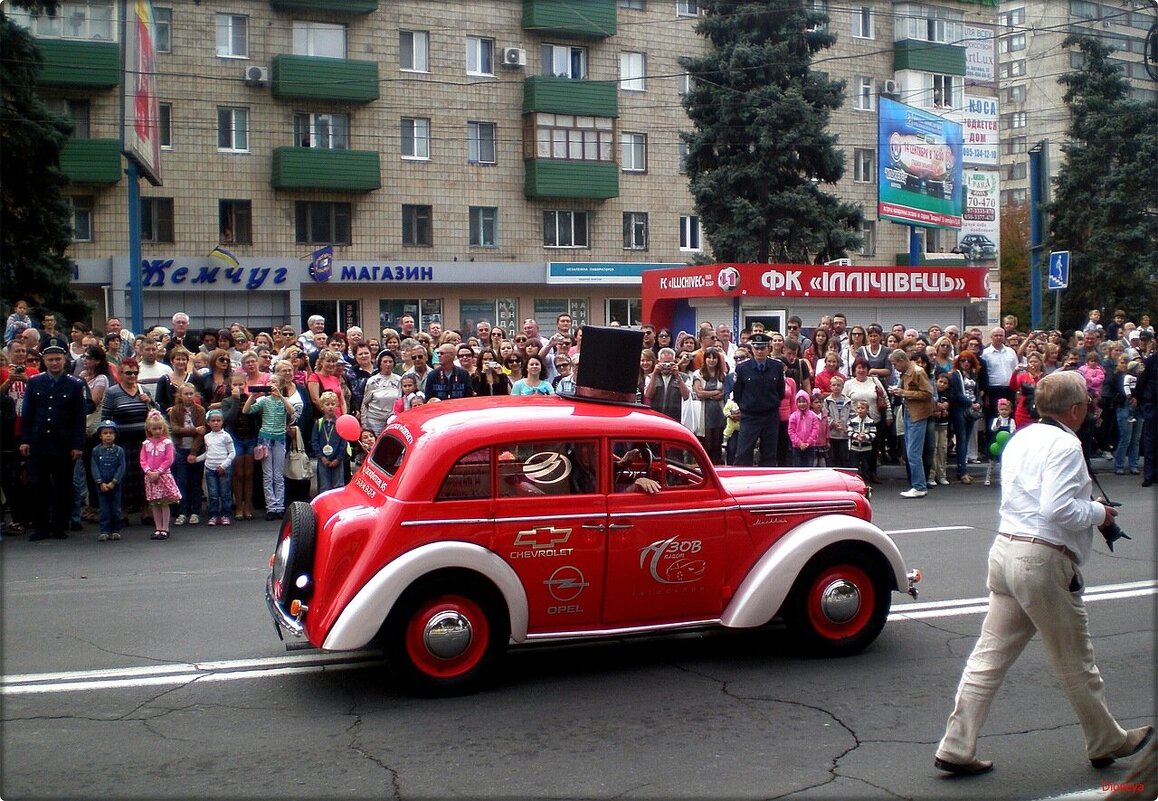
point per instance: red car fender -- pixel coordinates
(762, 592)
(364, 615)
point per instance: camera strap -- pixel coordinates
(1049, 421)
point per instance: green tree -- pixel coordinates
(1105, 202)
(759, 151)
(35, 218)
(1015, 261)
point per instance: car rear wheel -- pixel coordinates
(293, 555)
(839, 603)
(445, 637)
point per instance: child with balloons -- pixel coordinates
(1002, 428)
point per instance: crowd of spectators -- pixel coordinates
(841, 406)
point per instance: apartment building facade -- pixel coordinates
(499, 159)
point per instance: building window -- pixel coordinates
(687, 8)
(319, 39)
(565, 136)
(682, 152)
(480, 56)
(1015, 144)
(76, 112)
(690, 232)
(322, 223)
(324, 131)
(1012, 69)
(91, 20)
(484, 226)
(863, 165)
(414, 51)
(1015, 94)
(1012, 121)
(625, 311)
(818, 7)
(633, 152)
(235, 222)
(1017, 171)
(232, 36)
(637, 5)
(566, 229)
(163, 29)
(862, 22)
(635, 230)
(685, 83)
(157, 219)
(868, 237)
(233, 129)
(633, 72)
(1011, 44)
(417, 225)
(1011, 18)
(81, 218)
(1013, 197)
(480, 143)
(863, 100)
(1084, 9)
(929, 23)
(166, 125)
(563, 61)
(942, 91)
(415, 138)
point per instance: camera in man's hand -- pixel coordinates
(1113, 532)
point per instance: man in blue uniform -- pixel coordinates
(758, 390)
(52, 439)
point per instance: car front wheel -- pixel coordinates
(446, 637)
(840, 603)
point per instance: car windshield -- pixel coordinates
(388, 454)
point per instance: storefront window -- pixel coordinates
(501, 312)
(625, 311)
(424, 311)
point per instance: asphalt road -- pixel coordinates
(151, 670)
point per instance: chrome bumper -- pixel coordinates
(283, 622)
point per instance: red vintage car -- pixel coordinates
(479, 523)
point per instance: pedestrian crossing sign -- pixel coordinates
(1059, 269)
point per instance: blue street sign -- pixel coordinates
(1059, 269)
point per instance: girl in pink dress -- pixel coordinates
(157, 454)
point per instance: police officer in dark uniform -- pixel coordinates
(52, 439)
(758, 391)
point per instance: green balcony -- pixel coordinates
(325, 170)
(92, 161)
(566, 96)
(911, 54)
(327, 6)
(68, 63)
(586, 180)
(588, 19)
(317, 78)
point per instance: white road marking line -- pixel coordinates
(933, 528)
(317, 662)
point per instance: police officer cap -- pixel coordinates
(51, 349)
(760, 339)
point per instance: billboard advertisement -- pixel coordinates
(980, 127)
(142, 128)
(980, 54)
(980, 235)
(919, 157)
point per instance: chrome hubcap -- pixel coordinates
(840, 601)
(447, 635)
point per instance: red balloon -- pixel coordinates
(349, 428)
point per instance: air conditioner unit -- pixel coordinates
(514, 57)
(889, 88)
(256, 76)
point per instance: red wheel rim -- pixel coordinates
(447, 668)
(824, 625)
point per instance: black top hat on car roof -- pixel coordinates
(608, 365)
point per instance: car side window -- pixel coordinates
(548, 468)
(469, 478)
(681, 467)
(673, 466)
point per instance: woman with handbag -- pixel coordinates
(708, 390)
(964, 407)
(864, 387)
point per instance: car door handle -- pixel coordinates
(595, 526)
(616, 526)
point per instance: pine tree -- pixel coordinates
(759, 151)
(1105, 200)
(35, 218)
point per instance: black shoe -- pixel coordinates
(60, 535)
(1136, 740)
(75, 525)
(1148, 483)
(977, 766)
(39, 535)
